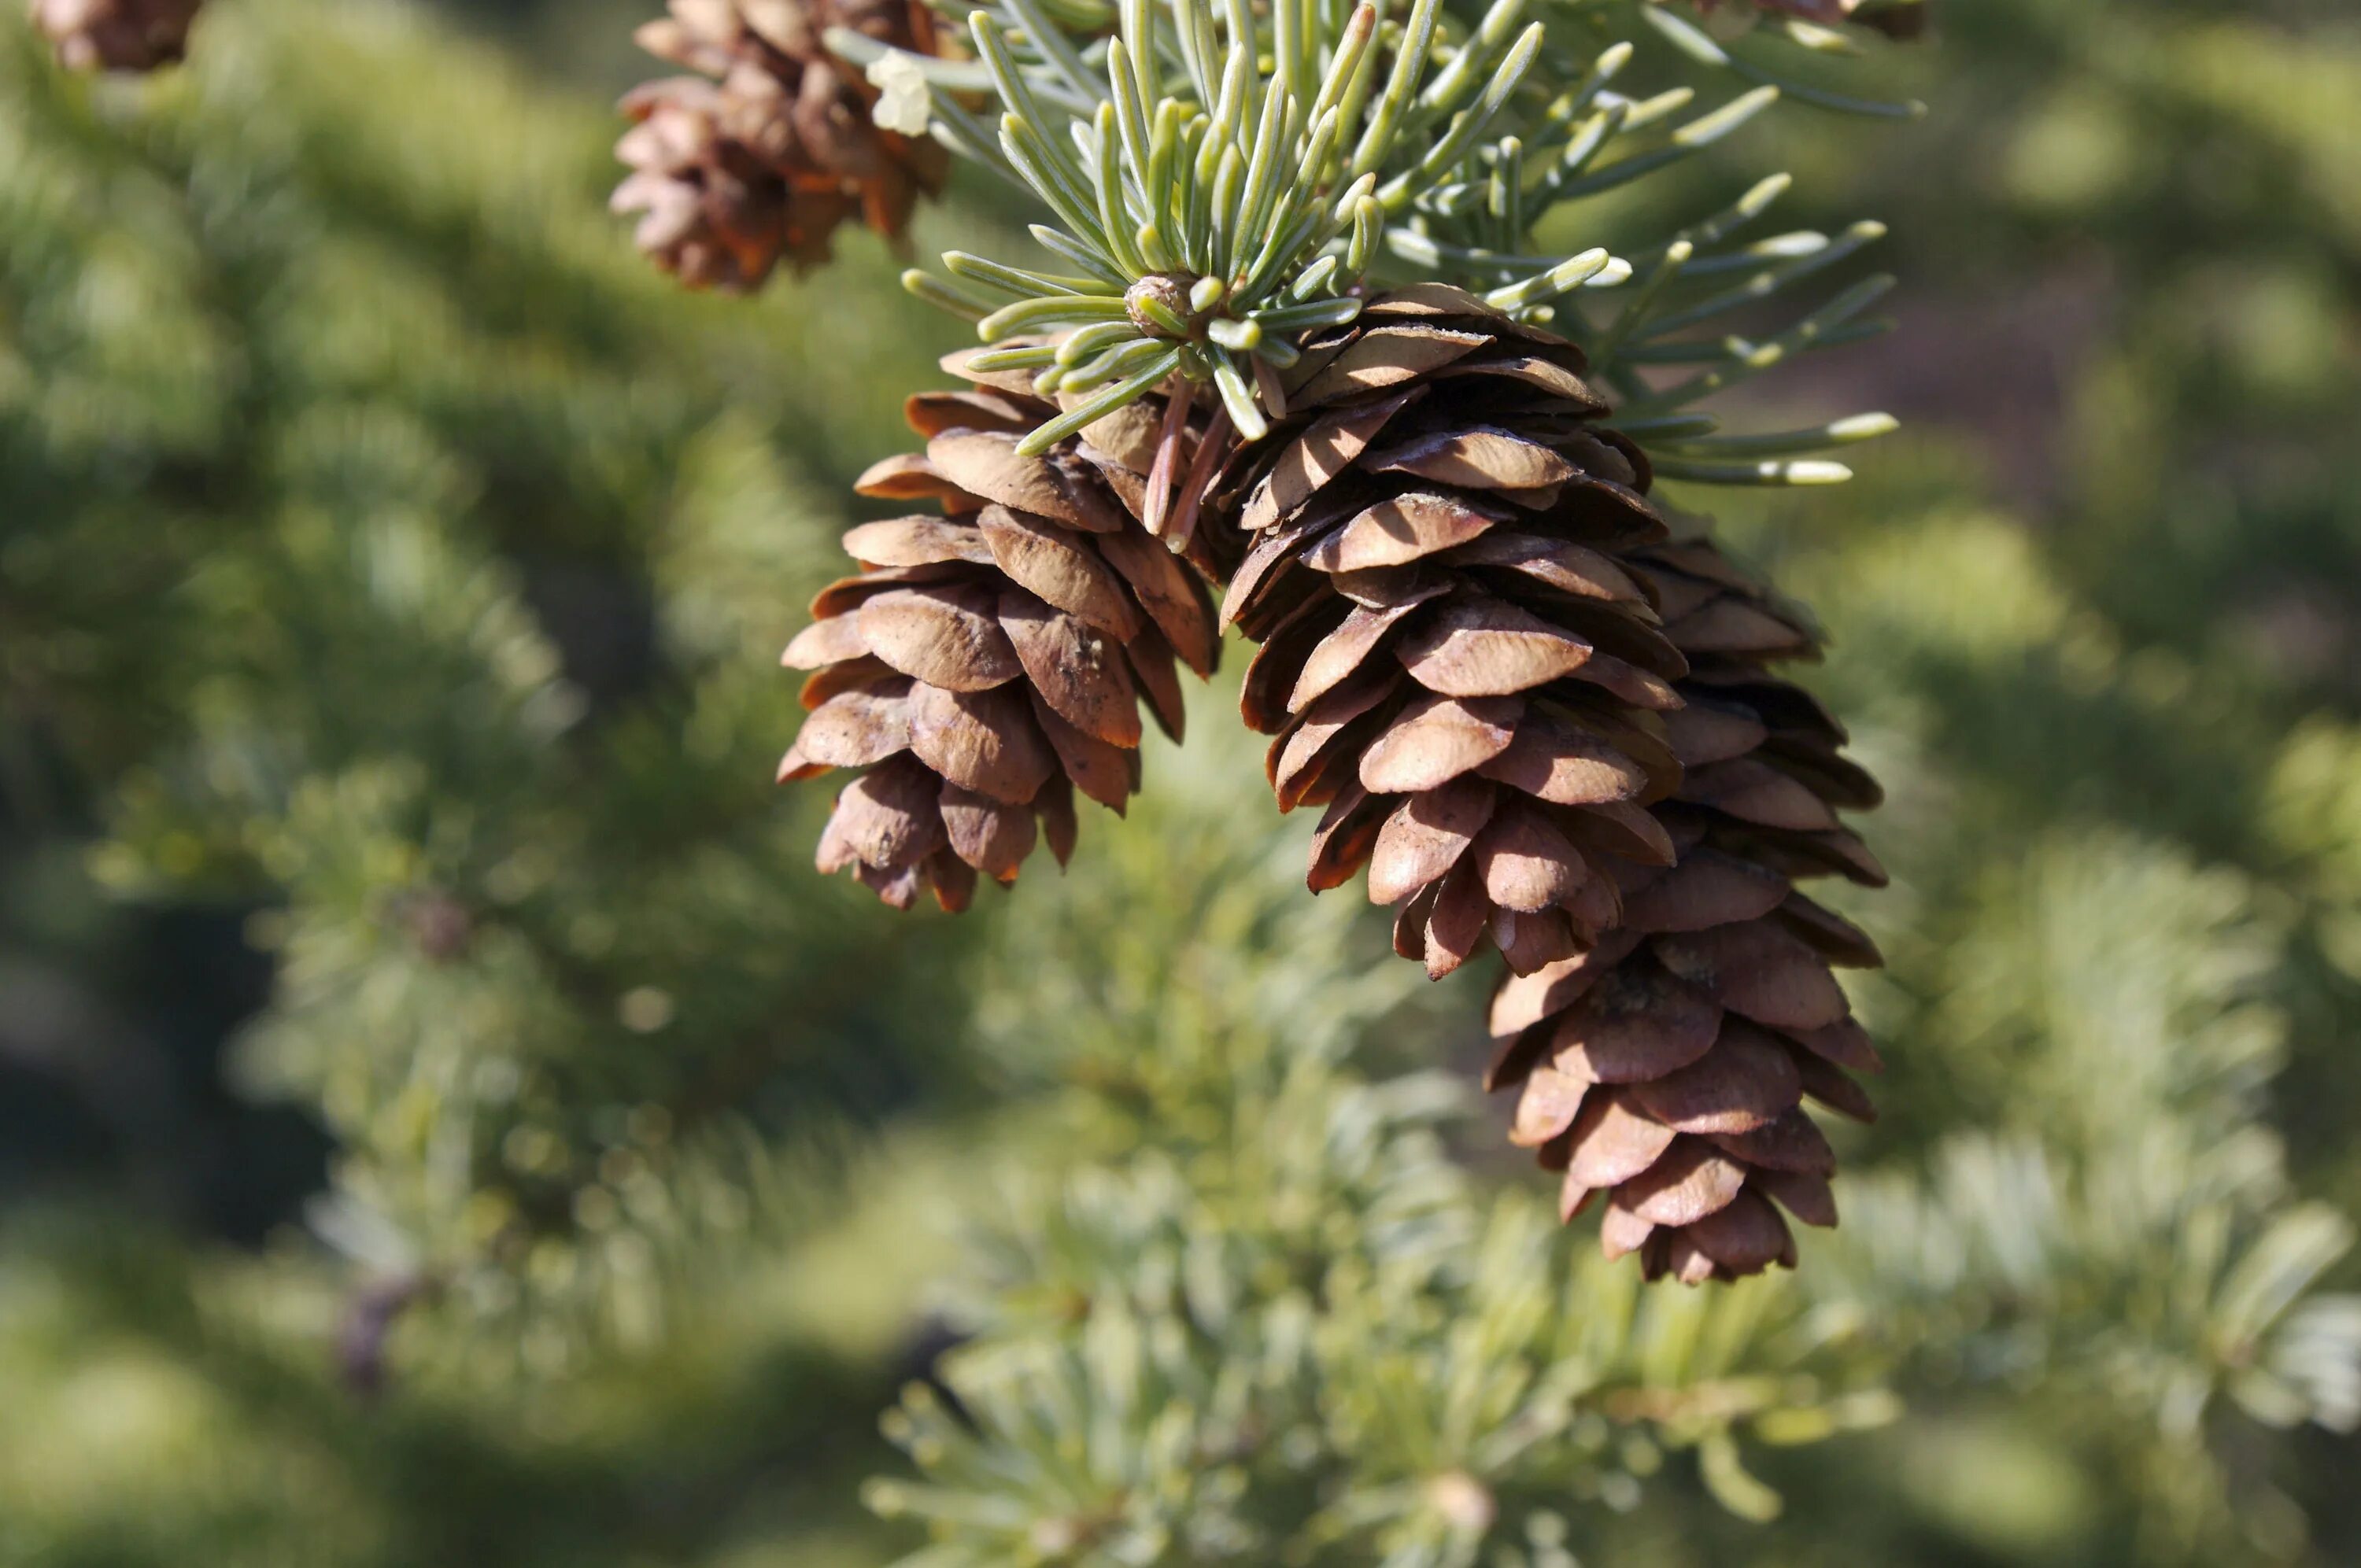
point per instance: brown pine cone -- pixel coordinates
(1666, 1068)
(118, 35)
(772, 146)
(986, 664)
(1455, 659)
(1537, 720)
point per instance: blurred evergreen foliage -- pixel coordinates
(408, 975)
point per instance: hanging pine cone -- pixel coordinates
(118, 35)
(772, 146)
(1665, 1068)
(987, 662)
(1538, 722)
(1453, 660)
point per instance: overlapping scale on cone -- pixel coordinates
(118, 35)
(1665, 1071)
(1455, 661)
(1543, 724)
(991, 659)
(764, 152)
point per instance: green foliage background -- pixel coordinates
(392, 890)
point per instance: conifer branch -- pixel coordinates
(1471, 144)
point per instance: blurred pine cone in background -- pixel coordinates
(988, 662)
(771, 146)
(118, 35)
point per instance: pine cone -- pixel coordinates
(1453, 660)
(1666, 1067)
(118, 35)
(1538, 720)
(772, 146)
(986, 664)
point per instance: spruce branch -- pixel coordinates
(1476, 133)
(1215, 213)
(1653, 299)
(1280, 1322)
(1807, 30)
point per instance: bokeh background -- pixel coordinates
(444, 1121)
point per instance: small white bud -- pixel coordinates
(903, 103)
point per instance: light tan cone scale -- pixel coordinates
(118, 35)
(988, 663)
(771, 146)
(1665, 1071)
(1456, 661)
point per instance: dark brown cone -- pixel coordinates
(1665, 1071)
(118, 35)
(988, 663)
(772, 146)
(1457, 660)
